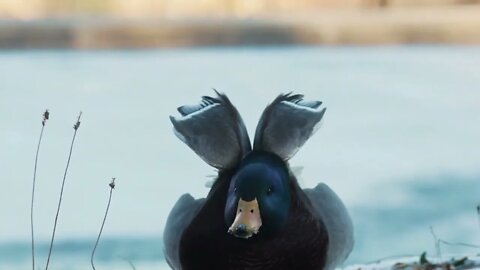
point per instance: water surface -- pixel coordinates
(399, 143)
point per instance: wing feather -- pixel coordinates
(287, 124)
(331, 210)
(179, 218)
(214, 130)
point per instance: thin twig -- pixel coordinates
(132, 265)
(112, 187)
(46, 115)
(75, 127)
(437, 243)
(478, 214)
(458, 244)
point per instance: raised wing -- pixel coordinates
(331, 210)
(179, 218)
(287, 124)
(214, 130)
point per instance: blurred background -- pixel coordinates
(400, 79)
(110, 24)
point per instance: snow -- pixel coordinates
(413, 263)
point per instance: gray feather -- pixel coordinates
(329, 208)
(179, 218)
(214, 130)
(287, 124)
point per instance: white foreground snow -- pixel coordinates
(459, 262)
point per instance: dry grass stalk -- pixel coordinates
(112, 187)
(75, 127)
(46, 116)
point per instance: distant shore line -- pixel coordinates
(364, 27)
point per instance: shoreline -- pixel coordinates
(459, 25)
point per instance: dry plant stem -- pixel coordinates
(75, 127)
(437, 243)
(112, 186)
(45, 118)
(459, 244)
(478, 214)
(132, 265)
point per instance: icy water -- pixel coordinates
(400, 143)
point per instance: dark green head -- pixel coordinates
(258, 199)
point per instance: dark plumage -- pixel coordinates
(301, 244)
(255, 216)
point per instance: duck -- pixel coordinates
(255, 215)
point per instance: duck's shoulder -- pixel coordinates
(201, 243)
(178, 220)
(327, 206)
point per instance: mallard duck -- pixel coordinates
(255, 216)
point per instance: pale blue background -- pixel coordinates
(400, 141)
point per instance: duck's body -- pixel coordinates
(316, 232)
(303, 240)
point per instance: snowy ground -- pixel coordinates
(422, 263)
(86, 265)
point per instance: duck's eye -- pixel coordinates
(251, 211)
(235, 190)
(269, 191)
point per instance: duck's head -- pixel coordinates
(258, 199)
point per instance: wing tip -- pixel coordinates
(298, 99)
(181, 110)
(322, 112)
(222, 97)
(173, 119)
(316, 104)
(217, 92)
